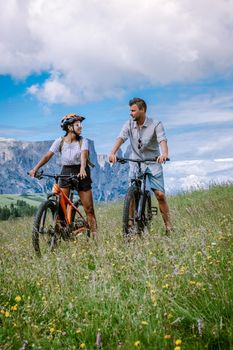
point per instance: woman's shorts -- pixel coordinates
(82, 184)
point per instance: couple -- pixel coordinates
(147, 139)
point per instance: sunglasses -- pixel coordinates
(139, 143)
(78, 124)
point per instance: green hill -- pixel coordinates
(31, 199)
(155, 292)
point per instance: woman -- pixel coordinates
(74, 157)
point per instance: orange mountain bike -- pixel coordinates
(59, 217)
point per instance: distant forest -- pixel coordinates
(20, 209)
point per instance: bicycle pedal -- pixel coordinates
(154, 210)
(78, 231)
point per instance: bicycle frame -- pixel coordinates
(140, 183)
(62, 199)
(66, 204)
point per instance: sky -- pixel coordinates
(90, 57)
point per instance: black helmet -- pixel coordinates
(70, 119)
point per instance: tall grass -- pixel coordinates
(156, 292)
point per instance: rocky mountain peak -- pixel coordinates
(18, 157)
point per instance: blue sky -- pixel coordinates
(91, 57)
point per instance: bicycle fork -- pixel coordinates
(141, 202)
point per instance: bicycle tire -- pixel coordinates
(44, 235)
(130, 222)
(78, 225)
(147, 210)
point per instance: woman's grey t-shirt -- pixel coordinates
(71, 152)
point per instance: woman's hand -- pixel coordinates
(82, 174)
(32, 173)
(112, 158)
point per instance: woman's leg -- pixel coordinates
(66, 190)
(88, 205)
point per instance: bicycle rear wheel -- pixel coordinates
(130, 222)
(44, 235)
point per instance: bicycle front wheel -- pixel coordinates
(147, 210)
(130, 219)
(44, 235)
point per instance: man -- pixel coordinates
(147, 138)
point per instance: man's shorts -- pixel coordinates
(83, 184)
(155, 182)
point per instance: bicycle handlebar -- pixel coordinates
(124, 160)
(41, 174)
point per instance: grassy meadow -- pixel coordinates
(155, 292)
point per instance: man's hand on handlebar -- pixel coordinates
(162, 158)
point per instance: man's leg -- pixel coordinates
(164, 209)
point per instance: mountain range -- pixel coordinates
(18, 157)
(109, 182)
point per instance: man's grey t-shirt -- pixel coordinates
(150, 135)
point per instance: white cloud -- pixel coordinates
(53, 90)
(196, 174)
(224, 160)
(213, 147)
(99, 48)
(203, 143)
(199, 110)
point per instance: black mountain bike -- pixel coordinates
(138, 211)
(58, 217)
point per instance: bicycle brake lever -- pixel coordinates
(39, 175)
(122, 161)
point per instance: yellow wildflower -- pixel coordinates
(153, 296)
(192, 283)
(18, 298)
(137, 343)
(199, 284)
(52, 329)
(144, 323)
(7, 314)
(177, 348)
(82, 346)
(15, 307)
(167, 336)
(178, 341)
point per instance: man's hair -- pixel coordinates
(139, 102)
